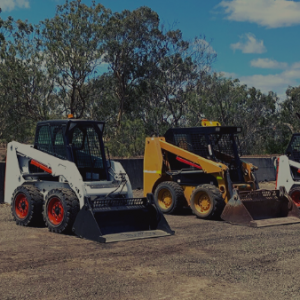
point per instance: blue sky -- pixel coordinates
(256, 41)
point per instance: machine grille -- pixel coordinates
(119, 204)
(259, 195)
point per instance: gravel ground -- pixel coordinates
(203, 260)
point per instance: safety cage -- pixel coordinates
(293, 149)
(79, 141)
(220, 144)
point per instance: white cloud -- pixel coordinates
(296, 65)
(267, 83)
(9, 5)
(273, 82)
(277, 83)
(203, 44)
(229, 75)
(249, 44)
(268, 13)
(291, 74)
(266, 63)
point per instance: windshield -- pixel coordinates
(293, 150)
(87, 152)
(223, 146)
(218, 147)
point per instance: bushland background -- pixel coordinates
(133, 72)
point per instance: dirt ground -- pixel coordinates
(203, 260)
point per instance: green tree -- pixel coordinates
(131, 43)
(287, 121)
(72, 42)
(26, 89)
(289, 107)
(233, 104)
(168, 93)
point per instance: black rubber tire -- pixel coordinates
(34, 205)
(177, 195)
(71, 207)
(217, 202)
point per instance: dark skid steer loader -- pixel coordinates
(66, 181)
(201, 167)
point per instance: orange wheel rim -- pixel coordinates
(296, 198)
(165, 198)
(55, 211)
(202, 203)
(21, 206)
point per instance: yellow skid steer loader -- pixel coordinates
(201, 167)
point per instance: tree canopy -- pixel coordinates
(127, 69)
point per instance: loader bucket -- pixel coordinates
(261, 208)
(120, 219)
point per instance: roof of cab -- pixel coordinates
(66, 121)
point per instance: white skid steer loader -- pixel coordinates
(288, 169)
(66, 181)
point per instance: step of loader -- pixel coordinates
(126, 236)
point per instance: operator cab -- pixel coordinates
(79, 141)
(213, 142)
(293, 149)
(293, 153)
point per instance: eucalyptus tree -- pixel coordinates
(287, 121)
(26, 89)
(220, 98)
(234, 104)
(5, 27)
(179, 72)
(131, 47)
(259, 119)
(102, 105)
(289, 107)
(72, 41)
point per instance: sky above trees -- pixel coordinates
(256, 41)
(141, 74)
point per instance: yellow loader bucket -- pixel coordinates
(261, 208)
(120, 219)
